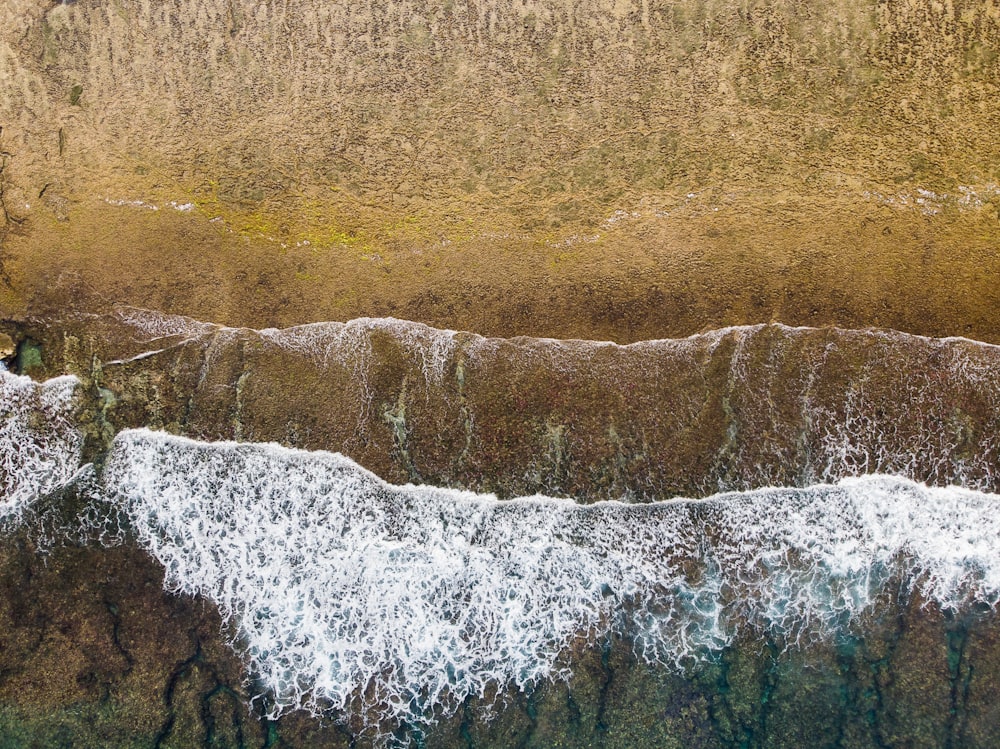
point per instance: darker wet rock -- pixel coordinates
(90, 643)
(735, 409)
(95, 652)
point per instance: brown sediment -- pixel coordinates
(830, 264)
(598, 170)
(96, 653)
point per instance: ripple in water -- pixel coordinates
(398, 603)
(731, 409)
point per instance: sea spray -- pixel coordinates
(399, 602)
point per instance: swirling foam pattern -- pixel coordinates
(40, 446)
(399, 602)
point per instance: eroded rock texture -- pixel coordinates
(96, 654)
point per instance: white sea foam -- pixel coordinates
(40, 446)
(397, 603)
(162, 325)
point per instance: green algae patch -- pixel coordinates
(28, 358)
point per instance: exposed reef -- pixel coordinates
(619, 170)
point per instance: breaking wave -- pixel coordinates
(396, 604)
(40, 444)
(400, 602)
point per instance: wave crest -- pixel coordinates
(40, 444)
(400, 602)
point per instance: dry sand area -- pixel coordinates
(569, 168)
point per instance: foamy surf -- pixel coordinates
(40, 445)
(400, 602)
(393, 605)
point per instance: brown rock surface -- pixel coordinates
(93, 652)
(599, 169)
(602, 169)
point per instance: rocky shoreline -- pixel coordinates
(97, 651)
(496, 168)
(539, 177)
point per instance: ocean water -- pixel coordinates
(393, 608)
(731, 409)
(339, 585)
